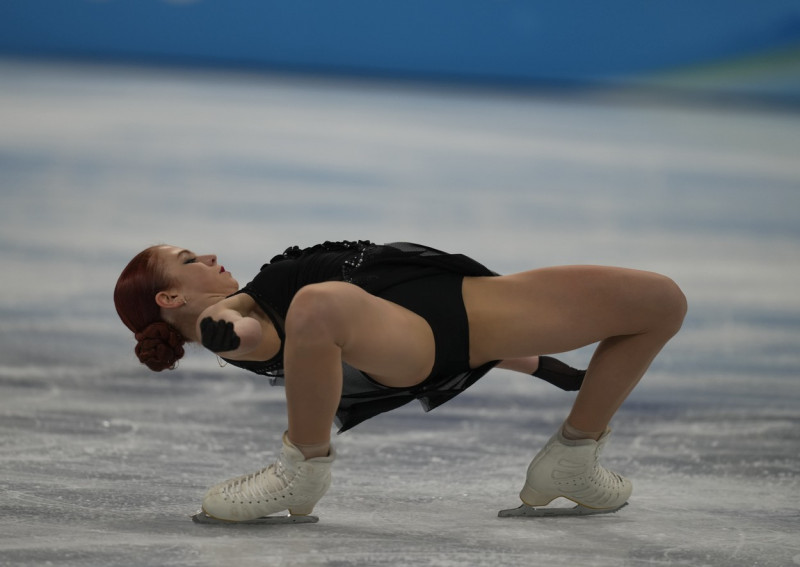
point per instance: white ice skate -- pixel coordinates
(569, 469)
(293, 483)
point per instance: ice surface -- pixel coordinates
(103, 462)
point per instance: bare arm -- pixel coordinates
(228, 332)
(527, 365)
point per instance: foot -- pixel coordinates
(293, 483)
(570, 469)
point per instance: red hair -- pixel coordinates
(159, 344)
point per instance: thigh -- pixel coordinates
(558, 309)
(390, 343)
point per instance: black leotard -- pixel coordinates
(422, 279)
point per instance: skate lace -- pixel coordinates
(260, 484)
(602, 476)
(606, 478)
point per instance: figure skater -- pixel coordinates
(354, 329)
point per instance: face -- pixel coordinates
(195, 275)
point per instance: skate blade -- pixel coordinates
(203, 518)
(526, 511)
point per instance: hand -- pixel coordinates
(218, 336)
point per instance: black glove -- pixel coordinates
(559, 374)
(218, 336)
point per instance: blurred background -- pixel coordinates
(527, 133)
(661, 136)
(729, 49)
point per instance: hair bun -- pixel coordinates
(159, 346)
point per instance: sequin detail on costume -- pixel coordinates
(295, 252)
(352, 264)
(360, 247)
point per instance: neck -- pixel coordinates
(184, 318)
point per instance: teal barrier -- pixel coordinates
(512, 41)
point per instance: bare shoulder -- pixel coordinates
(241, 303)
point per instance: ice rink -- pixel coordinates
(102, 462)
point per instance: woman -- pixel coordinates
(355, 329)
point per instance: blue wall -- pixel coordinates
(484, 40)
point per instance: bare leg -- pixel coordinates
(326, 323)
(632, 314)
(336, 321)
(313, 381)
(616, 367)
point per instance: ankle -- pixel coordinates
(312, 450)
(575, 434)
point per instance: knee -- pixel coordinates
(315, 314)
(672, 305)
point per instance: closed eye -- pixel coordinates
(187, 257)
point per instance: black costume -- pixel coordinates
(422, 279)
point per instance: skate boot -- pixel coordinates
(293, 483)
(570, 469)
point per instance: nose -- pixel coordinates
(210, 259)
